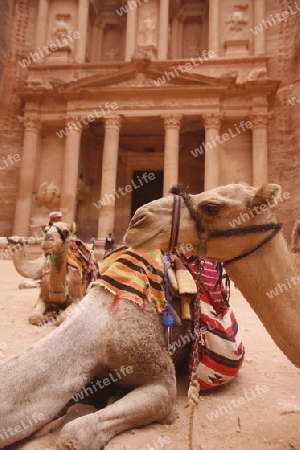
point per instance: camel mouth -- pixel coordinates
(137, 221)
(47, 246)
(140, 241)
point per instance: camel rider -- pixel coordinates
(55, 216)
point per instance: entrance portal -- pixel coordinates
(146, 192)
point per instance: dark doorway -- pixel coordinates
(144, 192)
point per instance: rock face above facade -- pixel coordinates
(18, 20)
(17, 32)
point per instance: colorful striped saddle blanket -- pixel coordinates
(138, 276)
(80, 258)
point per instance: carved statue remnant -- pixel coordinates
(48, 194)
(238, 19)
(61, 31)
(113, 54)
(147, 31)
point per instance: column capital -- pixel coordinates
(113, 121)
(79, 123)
(31, 123)
(172, 121)
(212, 121)
(260, 120)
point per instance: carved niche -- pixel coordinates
(147, 45)
(237, 42)
(193, 37)
(112, 43)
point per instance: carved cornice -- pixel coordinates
(172, 121)
(260, 120)
(31, 123)
(212, 121)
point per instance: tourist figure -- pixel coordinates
(295, 237)
(92, 243)
(109, 244)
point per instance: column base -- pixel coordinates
(99, 249)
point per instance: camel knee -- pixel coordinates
(81, 434)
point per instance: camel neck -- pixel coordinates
(58, 276)
(270, 282)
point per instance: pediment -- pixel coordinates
(137, 75)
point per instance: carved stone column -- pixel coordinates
(70, 174)
(82, 24)
(32, 130)
(41, 26)
(259, 40)
(162, 53)
(174, 38)
(259, 147)
(99, 56)
(171, 153)
(212, 124)
(94, 49)
(214, 32)
(131, 34)
(106, 217)
(180, 39)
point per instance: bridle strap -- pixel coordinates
(245, 230)
(261, 244)
(177, 192)
(175, 222)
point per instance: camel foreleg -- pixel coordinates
(144, 405)
(37, 315)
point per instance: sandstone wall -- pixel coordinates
(17, 32)
(284, 132)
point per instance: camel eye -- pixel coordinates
(66, 233)
(211, 209)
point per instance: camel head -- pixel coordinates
(56, 238)
(202, 217)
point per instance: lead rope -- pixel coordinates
(194, 387)
(166, 318)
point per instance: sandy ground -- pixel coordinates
(268, 417)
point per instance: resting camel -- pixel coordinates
(65, 274)
(100, 333)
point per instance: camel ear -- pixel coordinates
(267, 194)
(73, 228)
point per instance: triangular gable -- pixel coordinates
(152, 74)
